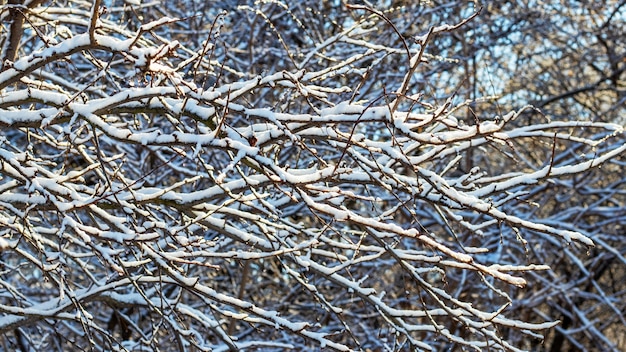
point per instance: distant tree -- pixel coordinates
(308, 175)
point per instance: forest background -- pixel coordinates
(312, 175)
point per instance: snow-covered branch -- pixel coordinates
(160, 191)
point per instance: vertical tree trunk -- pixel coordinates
(16, 20)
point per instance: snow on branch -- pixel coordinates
(263, 210)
